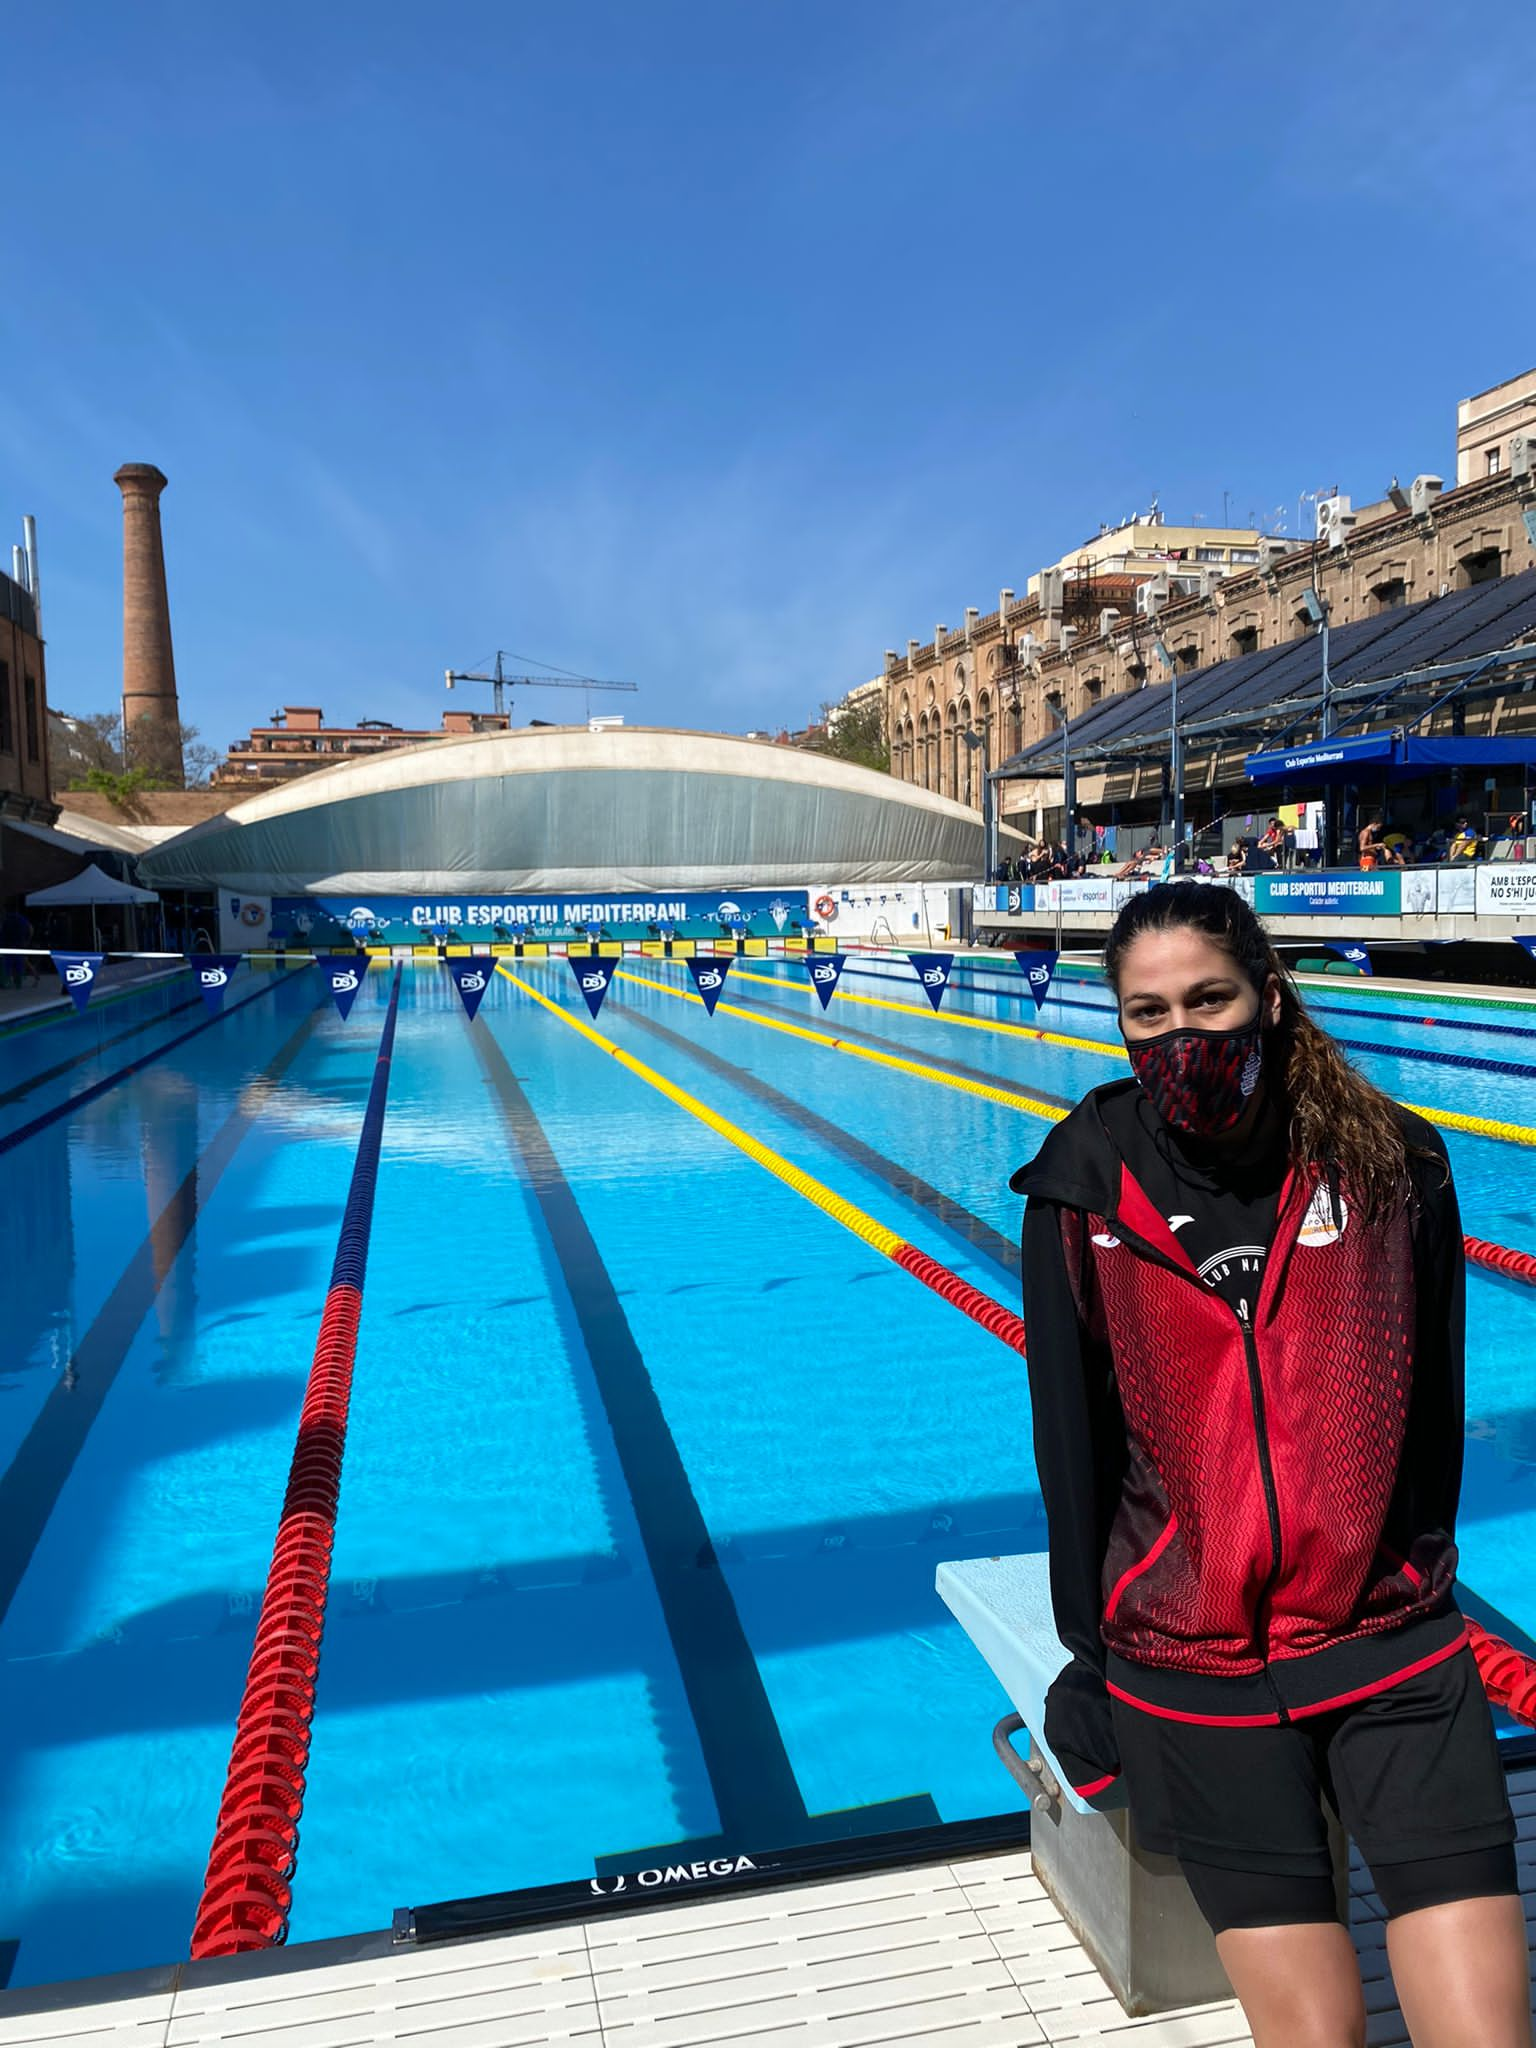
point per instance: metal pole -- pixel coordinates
(989, 823)
(1328, 834)
(1176, 770)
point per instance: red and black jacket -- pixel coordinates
(1247, 1524)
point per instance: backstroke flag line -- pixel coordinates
(932, 970)
(1037, 969)
(826, 971)
(592, 978)
(472, 978)
(343, 978)
(708, 979)
(1352, 951)
(213, 971)
(78, 973)
(1528, 940)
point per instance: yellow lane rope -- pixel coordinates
(1007, 1096)
(888, 1242)
(924, 1011)
(1445, 1119)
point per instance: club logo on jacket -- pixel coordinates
(1321, 1225)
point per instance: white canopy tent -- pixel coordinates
(93, 887)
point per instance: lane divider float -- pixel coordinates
(248, 1889)
(981, 1308)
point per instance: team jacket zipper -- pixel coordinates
(1260, 1430)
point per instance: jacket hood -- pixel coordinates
(1079, 1163)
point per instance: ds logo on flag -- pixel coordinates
(589, 982)
(213, 977)
(339, 982)
(77, 972)
(824, 976)
(343, 983)
(932, 970)
(709, 980)
(592, 978)
(471, 978)
(469, 983)
(79, 976)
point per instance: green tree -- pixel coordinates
(855, 732)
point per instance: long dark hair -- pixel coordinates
(1341, 1126)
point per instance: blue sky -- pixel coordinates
(715, 344)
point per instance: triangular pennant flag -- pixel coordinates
(932, 971)
(1037, 969)
(213, 971)
(709, 979)
(78, 973)
(592, 978)
(826, 972)
(472, 978)
(1352, 951)
(344, 978)
(1528, 940)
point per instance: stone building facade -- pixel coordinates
(1008, 676)
(23, 707)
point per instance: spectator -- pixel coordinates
(1466, 843)
(1273, 839)
(1368, 841)
(1236, 856)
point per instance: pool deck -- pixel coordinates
(969, 1954)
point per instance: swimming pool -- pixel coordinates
(650, 1461)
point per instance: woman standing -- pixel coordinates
(1243, 1282)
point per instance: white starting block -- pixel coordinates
(1131, 1910)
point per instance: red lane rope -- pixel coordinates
(247, 1892)
(1508, 1675)
(981, 1308)
(1502, 1258)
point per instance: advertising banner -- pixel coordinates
(932, 970)
(343, 978)
(826, 971)
(213, 971)
(1506, 888)
(78, 973)
(402, 920)
(592, 978)
(1352, 951)
(1091, 893)
(709, 980)
(1020, 899)
(472, 978)
(1037, 969)
(1347, 893)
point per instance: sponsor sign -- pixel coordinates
(932, 970)
(708, 979)
(212, 972)
(344, 978)
(1506, 889)
(694, 913)
(1088, 894)
(1347, 893)
(472, 978)
(592, 978)
(1352, 951)
(1037, 969)
(78, 972)
(826, 970)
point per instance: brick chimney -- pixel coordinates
(151, 715)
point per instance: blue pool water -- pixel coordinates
(650, 1462)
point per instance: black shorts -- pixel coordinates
(1413, 1773)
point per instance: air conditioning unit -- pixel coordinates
(1051, 582)
(1422, 494)
(1068, 635)
(1522, 456)
(1334, 519)
(1151, 595)
(1271, 551)
(1029, 651)
(1107, 619)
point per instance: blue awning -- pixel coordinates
(1379, 756)
(1328, 759)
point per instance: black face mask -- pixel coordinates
(1200, 1082)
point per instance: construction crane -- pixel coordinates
(501, 682)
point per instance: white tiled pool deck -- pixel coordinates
(940, 1955)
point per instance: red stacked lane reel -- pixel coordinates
(247, 1892)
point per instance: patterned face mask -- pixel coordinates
(1200, 1082)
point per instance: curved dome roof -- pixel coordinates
(560, 808)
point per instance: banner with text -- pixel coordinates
(1037, 969)
(708, 979)
(1506, 889)
(592, 978)
(826, 971)
(932, 970)
(78, 972)
(472, 978)
(213, 971)
(1344, 894)
(402, 920)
